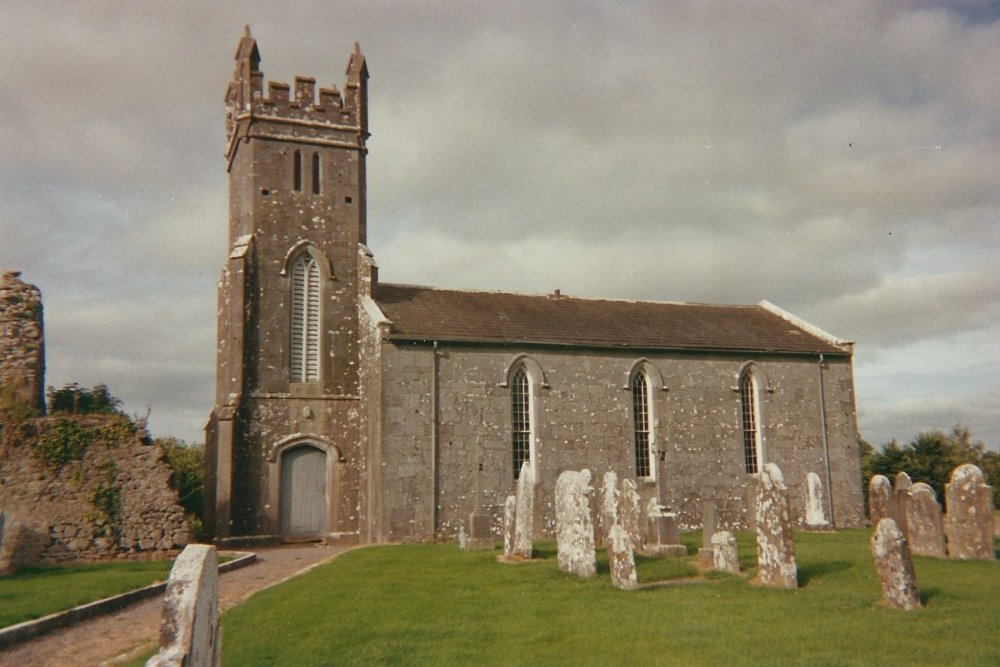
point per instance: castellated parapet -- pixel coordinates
(22, 342)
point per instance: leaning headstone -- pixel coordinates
(900, 494)
(725, 556)
(879, 498)
(524, 517)
(923, 516)
(775, 550)
(709, 526)
(607, 513)
(480, 537)
(620, 559)
(894, 566)
(630, 513)
(969, 521)
(815, 514)
(574, 527)
(509, 513)
(189, 634)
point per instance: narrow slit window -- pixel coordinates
(521, 423)
(749, 418)
(297, 171)
(640, 424)
(315, 173)
(304, 344)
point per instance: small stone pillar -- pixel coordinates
(815, 512)
(509, 514)
(621, 560)
(607, 514)
(189, 635)
(574, 526)
(879, 498)
(923, 516)
(895, 567)
(725, 555)
(776, 566)
(969, 522)
(525, 516)
(709, 526)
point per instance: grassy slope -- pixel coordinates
(433, 604)
(34, 592)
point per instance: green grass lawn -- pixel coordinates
(437, 605)
(35, 592)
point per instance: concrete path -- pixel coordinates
(118, 637)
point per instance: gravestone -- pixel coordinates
(969, 522)
(462, 539)
(665, 533)
(189, 634)
(775, 550)
(607, 513)
(630, 513)
(725, 556)
(709, 526)
(574, 527)
(815, 513)
(524, 517)
(923, 516)
(480, 537)
(894, 566)
(900, 494)
(620, 559)
(879, 498)
(509, 514)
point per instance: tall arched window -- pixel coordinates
(305, 328)
(750, 418)
(315, 173)
(297, 171)
(640, 425)
(520, 398)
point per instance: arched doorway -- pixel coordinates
(303, 493)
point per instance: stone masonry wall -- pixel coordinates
(22, 346)
(58, 514)
(583, 419)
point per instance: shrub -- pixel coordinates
(63, 441)
(77, 400)
(188, 477)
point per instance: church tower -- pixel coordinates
(283, 442)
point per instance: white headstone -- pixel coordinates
(607, 515)
(574, 527)
(620, 559)
(725, 557)
(894, 566)
(189, 633)
(524, 521)
(815, 512)
(775, 550)
(509, 514)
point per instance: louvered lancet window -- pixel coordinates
(305, 319)
(748, 410)
(640, 423)
(521, 422)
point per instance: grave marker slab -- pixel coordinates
(630, 513)
(894, 566)
(725, 556)
(574, 527)
(621, 559)
(189, 634)
(607, 514)
(815, 502)
(969, 522)
(879, 498)
(776, 566)
(923, 516)
(509, 514)
(524, 517)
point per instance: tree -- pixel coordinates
(930, 458)
(77, 400)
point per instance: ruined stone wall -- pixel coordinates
(113, 501)
(22, 344)
(583, 419)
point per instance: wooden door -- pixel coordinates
(303, 493)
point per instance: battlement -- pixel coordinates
(274, 113)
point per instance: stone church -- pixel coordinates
(356, 411)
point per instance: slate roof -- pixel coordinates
(424, 314)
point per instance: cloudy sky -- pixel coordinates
(841, 160)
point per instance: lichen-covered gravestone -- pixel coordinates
(815, 514)
(509, 514)
(524, 521)
(630, 513)
(894, 566)
(620, 559)
(607, 514)
(923, 516)
(574, 526)
(879, 498)
(900, 495)
(969, 522)
(775, 550)
(189, 634)
(725, 556)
